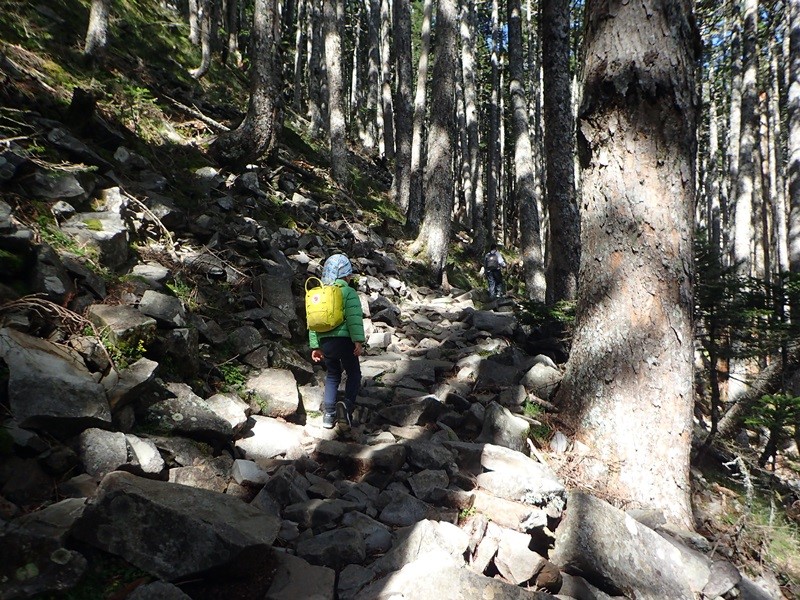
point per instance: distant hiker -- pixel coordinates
(493, 262)
(340, 347)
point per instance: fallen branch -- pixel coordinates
(191, 110)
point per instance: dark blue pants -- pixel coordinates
(339, 358)
(494, 279)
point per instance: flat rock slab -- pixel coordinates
(171, 530)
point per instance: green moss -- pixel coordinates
(93, 224)
(10, 263)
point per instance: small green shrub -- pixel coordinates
(232, 377)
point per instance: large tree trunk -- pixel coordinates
(743, 232)
(300, 42)
(629, 379)
(337, 127)
(776, 182)
(387, 110)
(374, 119)
(97, 31)
(434, 235)
(734, 131)
(205, 16)
(564, 231)
(712, 174)
(316, 71)
(259, 131)
(525, 181)
(402, 113)
(418, 150)
(471, 148)
(493, 143)
(793, 118)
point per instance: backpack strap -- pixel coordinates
(317, 279)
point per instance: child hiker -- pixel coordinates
(340, 347)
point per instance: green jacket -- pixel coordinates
(353, 324)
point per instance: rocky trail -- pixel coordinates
(169, 415)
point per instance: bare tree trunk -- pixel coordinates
(564, 231)
(493, 157)
(434, 235)
(205, 17)
(418, 147)
(524, 169)
(631, 366)
(712, 175)
(316, 73)
(471, 112)
(793, 118)
(374, 117)
(743, 234)
(232, 27)
(404, 125)
(258, 133)
(386, 82)
(337, 127)
(300, 42)
(776, 183)
(734, 129)
(97, 31)
(194, 22)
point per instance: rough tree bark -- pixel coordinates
(525, 182)
(564, 230)
(387, 110)
(629, 379)
(403, 112)
(97, 31)
(337, 126)
(415, 199)
(205, 14)
(793, 118)
(743, 231)
(261, 127)
(434, 235)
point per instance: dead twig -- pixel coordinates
(193, 111)
(170, 241)
(69, 320)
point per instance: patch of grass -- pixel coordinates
(124, 352)
(233, 378)
(466, 513)
(186, 292)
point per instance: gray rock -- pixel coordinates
(169, 530)
(425, 540)
(133, 382)
(246, 472)
(144, 455)
(49, 385)
(515, 561)
(269, 438)
(377, 538)
(102, 451)
(542, 380)
(231, 408)
(314, 514)
(158, 590)
(187, 414)
(54, 521)
(333, 549)
(295, 578)
(602, 543)
(245, 339)
(122, 323)
(104, 231)
(274, 393)
(33, 564)
(167, 310)
(502, 428)
(404, 510)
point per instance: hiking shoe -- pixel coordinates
(328, 420)
(343, 415)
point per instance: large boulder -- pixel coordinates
(49, 386)
(172, 531)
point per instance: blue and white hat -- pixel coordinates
(336, 267)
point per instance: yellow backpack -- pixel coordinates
(324, 306)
